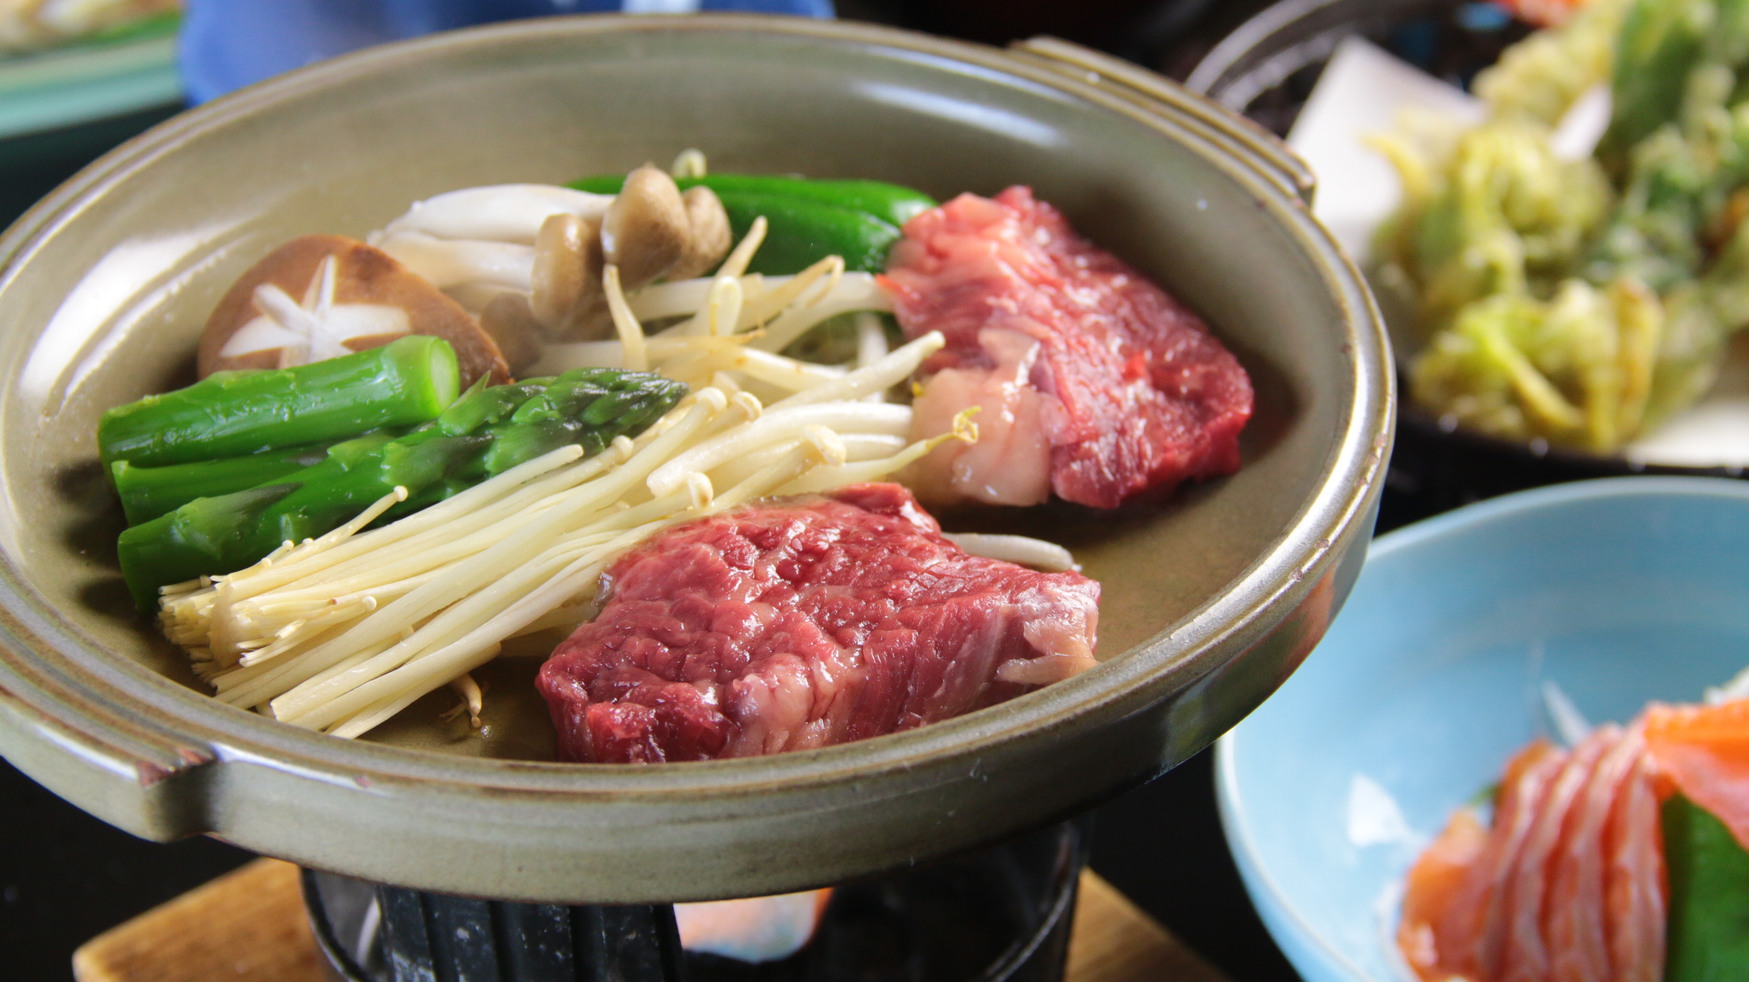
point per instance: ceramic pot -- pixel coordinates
(1211, 599)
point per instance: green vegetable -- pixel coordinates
(807, 219)
(1681, 199)
(891, 203)
(230, 414)
(157, 25)
(147, 492)
(1660, 40)
(800, 233)
(486, 431)
(894, 204)
(1681, 132)
(1708, 927)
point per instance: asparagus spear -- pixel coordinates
(229, 414)
(486, 431)
(147, 492)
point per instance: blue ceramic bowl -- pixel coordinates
(1619, 591)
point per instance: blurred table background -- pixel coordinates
(65, 877)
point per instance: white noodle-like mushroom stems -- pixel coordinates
(497, 212)
(631, 333)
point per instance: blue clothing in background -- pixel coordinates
(227, 44)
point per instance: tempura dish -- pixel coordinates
(1570, 267)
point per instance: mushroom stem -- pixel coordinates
(447, 263)
(510, 324)
(499, 212)
(688, 163)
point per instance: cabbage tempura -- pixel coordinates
(1581, 299)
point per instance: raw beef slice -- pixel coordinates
(1091, 382)
(806, 622)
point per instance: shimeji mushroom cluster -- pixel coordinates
(533, 260)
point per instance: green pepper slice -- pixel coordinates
(808, 220)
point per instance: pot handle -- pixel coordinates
(119, 771)
(1165, 98)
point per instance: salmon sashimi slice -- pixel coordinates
(1452, 889)
(1544, 13)
(1704, 752)
(1637, 890)
(1528, 906)
(1566, 884)
(1435, 879)
(1577, 920)
(1515, 820)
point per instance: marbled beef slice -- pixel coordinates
(1092, 383)
(806, 622)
